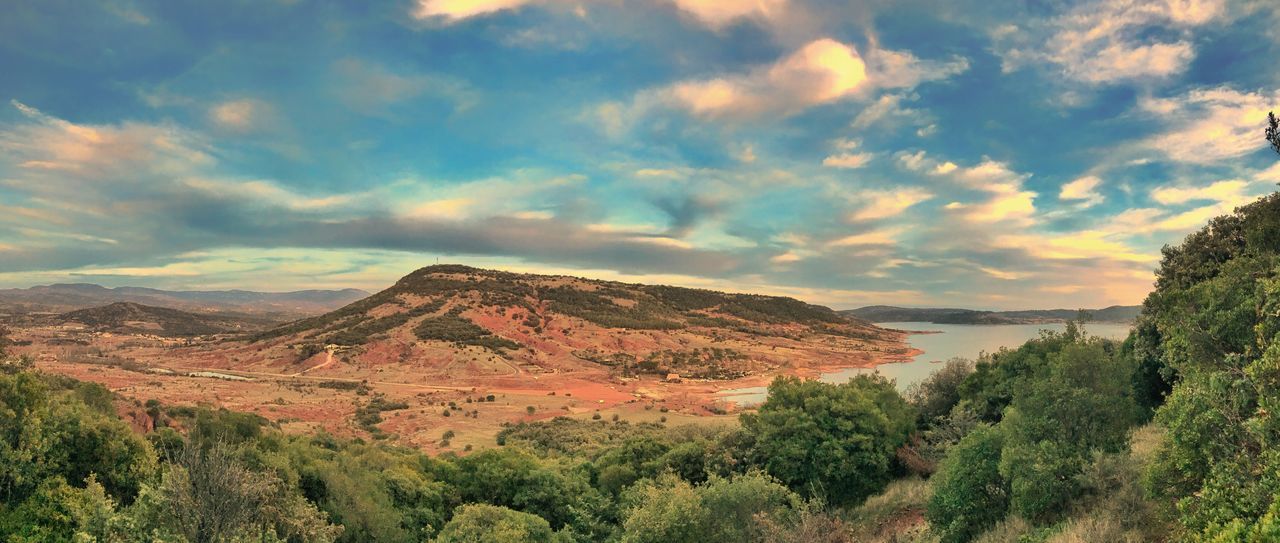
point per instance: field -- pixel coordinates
(434, 392)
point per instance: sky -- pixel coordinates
(1014, 154)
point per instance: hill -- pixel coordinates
(884, 313)
(457, 322)
(132, 318)
(70, 296)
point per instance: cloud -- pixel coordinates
(1089, 244)
(888, 107)
(1084, 190)
(242, 115)
(1109, 41)
(158, 191)
(713, 13)
(1007, 200)
(902, 70)
(885, 236)
(847, 160)
(821, 72)
(48, 143)
(1206, 126)
(370, 87)
(1222, 197)
(1227, 191)
(719, 13)
(455, 10)
(888, 203)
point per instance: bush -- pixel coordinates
(480, 523)
(969, 494)
(834, 442)
(737, 509)
(938, 394)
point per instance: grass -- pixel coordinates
(893, 515)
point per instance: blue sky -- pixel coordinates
(1032, 154)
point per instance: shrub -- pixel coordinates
(834, 442)
(969, 493)
(481, 522)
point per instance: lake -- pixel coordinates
(962, 340)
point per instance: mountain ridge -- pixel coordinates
(64, 297)
(935, 315)
(439, 315)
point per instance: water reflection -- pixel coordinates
(963, 340)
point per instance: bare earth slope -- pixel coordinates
(467, 351)
(460, 323)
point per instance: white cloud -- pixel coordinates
(454, 10)
(887, 203)
(1084, 189)
(1007, 200)
(900, 69)
(1089, 244)
(848, 160)
(822, 71)
(1227, 191)
(1107, 41)
(719, 13)
(242, 115)
(713, 13)
(889, 107)
(1206, 126)
(48, 143)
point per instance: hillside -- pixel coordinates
(456, 321)
(70, 296)
(884, 313)
(132, 318)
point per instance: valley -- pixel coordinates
(443, 340)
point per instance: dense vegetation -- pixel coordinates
(1044, 441)
(72, 470)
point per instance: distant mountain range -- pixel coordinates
(71, 296)
(885, 313)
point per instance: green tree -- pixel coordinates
(834, 442)
(44, 435)
(670, 509)
(1216, 308)
(1076, 404)
(207, 495)
(517, 479)
(57, 511)
(483, 523)
(970, 495)
(937, 394)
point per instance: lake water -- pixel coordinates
(962, 340)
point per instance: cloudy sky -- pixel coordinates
(1028, 153)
